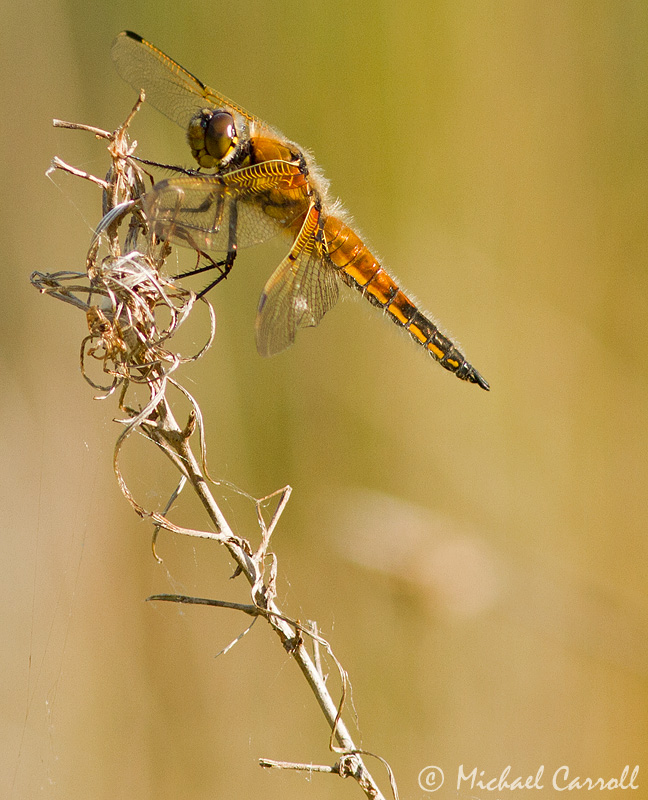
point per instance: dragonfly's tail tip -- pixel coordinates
(480, 381)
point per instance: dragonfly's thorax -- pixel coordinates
(212, 137)
(288, 195)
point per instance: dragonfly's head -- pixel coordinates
(212, 137)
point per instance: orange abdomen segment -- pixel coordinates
(360, 269)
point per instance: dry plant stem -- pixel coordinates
(271, 764)
(171, 438)
(57, 163)
(174, 442)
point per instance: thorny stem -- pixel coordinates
(134, 350)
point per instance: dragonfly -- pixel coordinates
(251, 184)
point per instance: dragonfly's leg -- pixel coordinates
(232, 249)
(170, 167)
(211, 264)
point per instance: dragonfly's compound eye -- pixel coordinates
(220, 134)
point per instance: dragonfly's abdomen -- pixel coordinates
(361, 270)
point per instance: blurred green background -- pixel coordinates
(478, 561)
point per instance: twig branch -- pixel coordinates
(270, 764)
(253, 611)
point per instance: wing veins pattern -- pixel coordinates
(172, 89)
(299, 292)
(189, 209)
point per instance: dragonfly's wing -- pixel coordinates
(169, 87)
(300, 291)
(214, 212)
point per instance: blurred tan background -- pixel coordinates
(478, 561)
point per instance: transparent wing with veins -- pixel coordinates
(170, 88)
(300, 291)
(212, 212)
(224, 212)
